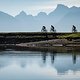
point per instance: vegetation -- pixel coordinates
(71, 36)
(24, 37)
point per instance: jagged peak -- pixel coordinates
(61, 6)
(42, 14)
(22, 13)
(74, 7)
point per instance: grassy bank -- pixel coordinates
(71, 36)
(24, 37)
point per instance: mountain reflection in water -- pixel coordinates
(26, 65)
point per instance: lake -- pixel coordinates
(34, 65)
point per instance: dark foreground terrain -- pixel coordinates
(43, 41)
(16, 38)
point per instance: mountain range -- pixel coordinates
(62, 18)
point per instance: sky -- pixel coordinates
(33, 7)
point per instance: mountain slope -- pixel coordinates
(71, 18)
(58, 13)
(62, 18)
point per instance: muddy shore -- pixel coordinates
(55, 45)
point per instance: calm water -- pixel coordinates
(25, 65)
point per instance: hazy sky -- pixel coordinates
(33, 7)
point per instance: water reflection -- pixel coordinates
(46, 66)
(74, 58)
(53, 57)
(44, 57)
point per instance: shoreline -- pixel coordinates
(55, 45)
(51, 43)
